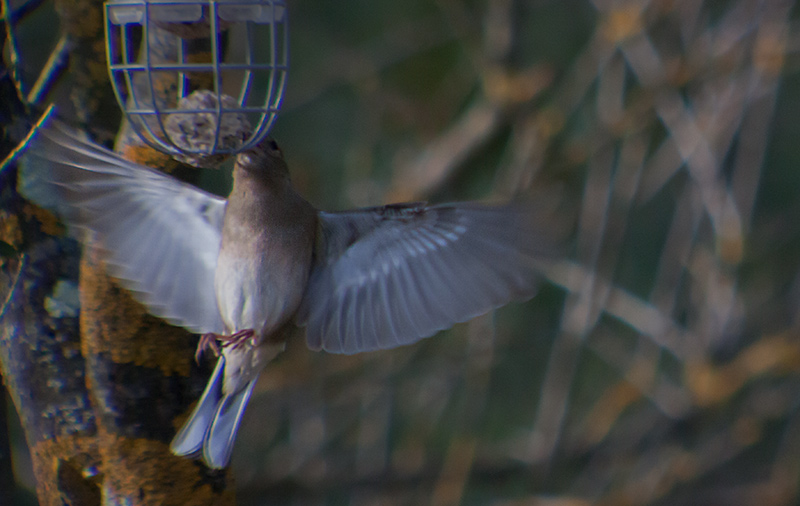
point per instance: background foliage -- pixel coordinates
(660, 364)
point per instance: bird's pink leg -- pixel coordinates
(239, 338)
(209, 341)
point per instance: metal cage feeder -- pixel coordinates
(231, 48)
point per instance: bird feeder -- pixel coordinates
(160, 51)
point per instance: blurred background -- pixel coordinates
(660, 362)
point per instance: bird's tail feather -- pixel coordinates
(222, 433)
(189, 440)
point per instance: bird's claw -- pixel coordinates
(238, 339)
(207, 341)
(235, 341)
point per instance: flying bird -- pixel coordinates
(244, 272)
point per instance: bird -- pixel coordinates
(246, 271)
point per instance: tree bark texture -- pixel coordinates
(100, 386)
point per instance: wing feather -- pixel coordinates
(385, 277)
(160, 236)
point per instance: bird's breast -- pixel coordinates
(262, 272)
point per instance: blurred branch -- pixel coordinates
(52, 71)
(10, 44)
(347, 66)
(435, 166)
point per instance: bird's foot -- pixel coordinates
(238, 339)
(235, 340)
(207, 342)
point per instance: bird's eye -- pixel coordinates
(273, 146)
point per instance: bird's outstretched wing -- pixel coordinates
(389, 276)
(161, 237)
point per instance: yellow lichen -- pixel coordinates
(9, 229)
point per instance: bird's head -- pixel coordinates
(265, 160)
